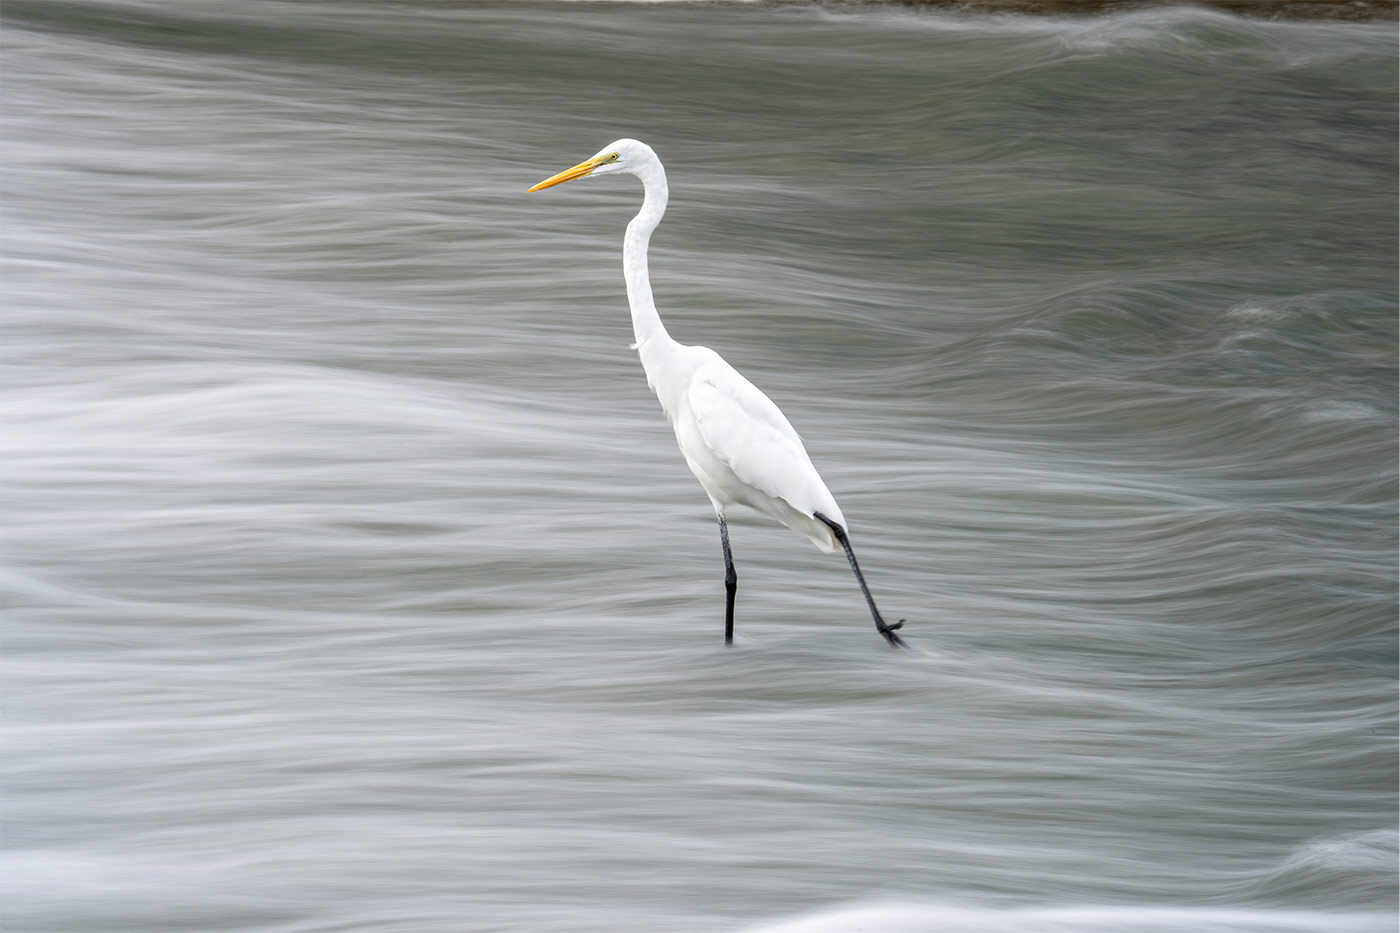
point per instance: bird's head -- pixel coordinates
(623, 156)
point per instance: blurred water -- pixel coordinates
(356, 583)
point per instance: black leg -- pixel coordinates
(731, 583)
(886, 630)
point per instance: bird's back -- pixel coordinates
(739, 444)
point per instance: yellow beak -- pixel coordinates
(569, 174)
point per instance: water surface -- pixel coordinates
(356, 582)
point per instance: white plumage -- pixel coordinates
(761, 460)
(738, 443)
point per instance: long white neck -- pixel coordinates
(646, 322)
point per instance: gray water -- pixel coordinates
(356, 582)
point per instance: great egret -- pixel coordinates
(735, 440)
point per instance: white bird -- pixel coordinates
(735, 440)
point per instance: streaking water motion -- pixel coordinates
(735, 440)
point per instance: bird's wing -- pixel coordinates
(750, 435)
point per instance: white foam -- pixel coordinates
(930, 917)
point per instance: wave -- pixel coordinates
(933, 917)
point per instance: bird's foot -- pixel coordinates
(888, 631)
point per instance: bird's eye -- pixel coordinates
(614, 157)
